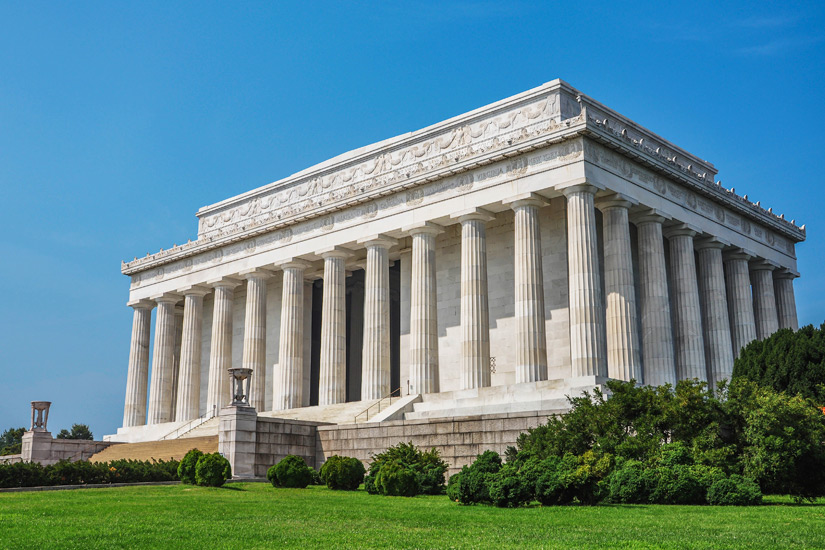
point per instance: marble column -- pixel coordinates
(176, 358)
(531, 338)
(690, 347)
(137, 379)
(160, 387)
(475, 314)
(287, 388)
(785, 300)
(740, 300)
(423, 309)
(332, 383)
(657, 329)
(220, 353)
(254, 335)
(375, 358)
(587, 316)
(189, 379)
(715, 319)
(623, 356)
(764, 299)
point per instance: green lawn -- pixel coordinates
(254, 515)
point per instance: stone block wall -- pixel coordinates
(278, 437)
(458, 439)
(41, 447)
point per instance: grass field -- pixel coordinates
(254, 515)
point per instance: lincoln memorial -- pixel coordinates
(491, 263)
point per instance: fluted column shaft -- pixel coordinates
(475, 315)
(657, 329)
(220, 354)
(423, 310)
(587, 331)
(764, 299)
(740, 301)
(623, 357)
(690, 348)
(531, 339)
(715, 318)
(287, 390)
(254, 336)
(163, 355)
(333, 375)
(375, 358)
(137, 379)
(189, 379)
(785, 300)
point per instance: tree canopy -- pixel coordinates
(78, 431)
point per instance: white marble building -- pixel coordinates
(540, 243)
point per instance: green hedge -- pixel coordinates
(32, 474)
(405, 470)
(290, 472)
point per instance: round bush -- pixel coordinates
(343, 473)
(734, 491)
(186, 468)
(508, 488)
(396, 479)
(677, 485)
(291, 472)
(212, 470)
(631, 484)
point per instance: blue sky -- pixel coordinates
(119, 120)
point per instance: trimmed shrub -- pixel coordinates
(343, 473)
(212, 470)
(472, 486)
(77, 473)
(734, 491)
(427, 466)
(452, 486)
(556, 484)
(316, 477)
(186, 468)
(632, 483)
(508, 488)
(394, 478)
(23, 474)
(291, 472)
(677, 485)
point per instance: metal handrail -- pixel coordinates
(188, 427)
(394, 393)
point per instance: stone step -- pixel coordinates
(553, 407)
(210, 427)
(172, 449)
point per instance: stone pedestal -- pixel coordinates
(237, 439)
(37, 447)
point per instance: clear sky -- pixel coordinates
(119, 120)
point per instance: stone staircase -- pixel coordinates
(340, 413)
(157, 450)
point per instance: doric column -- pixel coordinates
(254, 335)
(587, 331)
(740, 300)
(715, 319)
(475, 314)
(531, 338)
(189, 378)
(178, 340)
(423, 309)
(657, 329)
(137, 379)
(785, 300)
(690, 348)
(332, 383)
(287, 388)
(764, 299)
(375, 358)
(623, 357)
(220, 353)
(160, 388)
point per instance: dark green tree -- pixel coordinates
(11, 442)
(79, 431)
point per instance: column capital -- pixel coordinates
(732, 254)
(293, 263)
(429, 228)
(526, 199)
(334, 252)
(649, 215)
(681, 230)
(166, 298)
(141, 304)
(583, 187)
(473, 214)
(785, 273)
(256, 272)
(760, 264)
(224, 282)
(615, 200)
(194, 290)
(710, 242)
(382, 241)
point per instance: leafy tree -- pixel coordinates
(11, 442)
(788, 361)
(79, 431)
